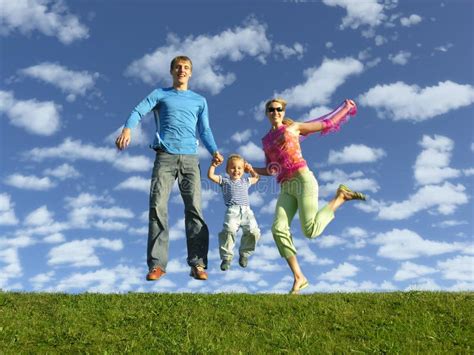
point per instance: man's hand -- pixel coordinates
(123, 140)
(217, 158)
(215, 163)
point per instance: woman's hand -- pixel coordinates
(350, 104)
(247, 167)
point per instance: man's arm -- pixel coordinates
(205, 133)
(145, 106)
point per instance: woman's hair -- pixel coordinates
(286, 121)
(233, 157)
(180, 58)
(278, 100)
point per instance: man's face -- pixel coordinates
(181, 72)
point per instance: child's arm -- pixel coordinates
(254, 176)
(211, 172)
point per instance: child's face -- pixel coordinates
(235, 169)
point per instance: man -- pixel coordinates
(178, 112)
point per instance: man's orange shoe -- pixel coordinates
(155, 274)
(198, 273)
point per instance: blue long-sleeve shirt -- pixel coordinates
(177, 115)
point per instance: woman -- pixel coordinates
(299, 188)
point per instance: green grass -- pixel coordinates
(412, 322)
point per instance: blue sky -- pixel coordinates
(73, 210)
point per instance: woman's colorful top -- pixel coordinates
(283, 153)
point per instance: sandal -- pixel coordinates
(295, 291)
(349, 194)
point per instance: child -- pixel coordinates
(238, 214)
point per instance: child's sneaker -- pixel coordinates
(225, 265)
(243, 261)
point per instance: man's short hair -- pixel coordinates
(180, 58)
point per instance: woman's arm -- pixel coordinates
(262, 171)
(305, 128)
(254, 177)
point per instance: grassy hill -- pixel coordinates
(412, 322)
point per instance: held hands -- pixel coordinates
(123, 140)
(248, 167)
(217, 159)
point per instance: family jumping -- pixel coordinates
(179, 113)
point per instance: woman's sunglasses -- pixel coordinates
(273, 109)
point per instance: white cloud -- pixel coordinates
(445, 198)
(468, 172)
(208, 195)
(444, 48)
(449, 223)
(399, 101)
(140, 137)
(85, 199)
(52, 18)
(206, 52)
(409, 270)
(177, 231)
(432, 164)
(321, 82)
(459, 268)
(411, 20)
(29, 182)
(12, 268)
(86, 216)
(135, 183)
(241, 137)
(340, 273)
(379, 40)
(63, 172)
(73, 83)
(401, 58)
(80, 253)
(404, 244)
(359, 13)
(7, 213)
(351, 286)
(38, 281)
(424, 285)
(54, 238)
(46, 113)
(303, 245)
(330, 241)
(40, 216)
(287, 52)
(355, 153)
(251, 152)
(269, 208)
(108, 280)
(256, 199)
(241, 275)
(74, 150)
(358, 237)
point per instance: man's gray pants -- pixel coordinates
(168, 168)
